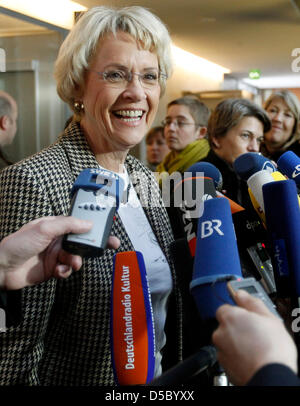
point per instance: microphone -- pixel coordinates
(249, 163)
(186, 206)
(251, 235)
(132, 326)
(234, 207)
(289, 165)
(253, 246)
(205, 358)
(209, 170)
(255, 183)
(96, 197)
(283, 225)
(217, 258)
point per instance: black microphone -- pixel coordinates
(185, 205)
(184, 371)
(254, 249)
(210, 171)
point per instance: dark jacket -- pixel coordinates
(234, 187)
(295, 147)
(274, 375)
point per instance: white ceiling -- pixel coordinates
(237, 34)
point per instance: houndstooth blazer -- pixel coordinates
(64, 335)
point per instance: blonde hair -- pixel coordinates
(293, 104)
(80, 45)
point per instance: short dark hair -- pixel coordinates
(198, 110)
(229, 112)
(154, 131)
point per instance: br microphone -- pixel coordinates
(96, 196)
(283, 225)
(132, 326)
(217, 258)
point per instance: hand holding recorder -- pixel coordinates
(249, 337)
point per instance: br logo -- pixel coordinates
(209, 227)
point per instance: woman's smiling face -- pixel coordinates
(283, 122)
(117, 118)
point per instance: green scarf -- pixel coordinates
(180, 162)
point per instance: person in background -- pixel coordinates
(185, 128)
(236, 126)
(111, 70)
(253, 345)
(283, 109)
(157, 147)
(8, 123)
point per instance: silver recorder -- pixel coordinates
(96, 196)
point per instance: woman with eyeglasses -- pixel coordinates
(185, 129)
(283, 109)
(111, 70)
(235, 127)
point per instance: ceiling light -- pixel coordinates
(196, 64)
(56, 12)
(274, 82)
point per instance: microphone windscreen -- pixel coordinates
(216, 256)
(132, 326)
(209, 170)
(289, 165)
(186, 206)
(283, 225)
(251, 162)
(256, 182)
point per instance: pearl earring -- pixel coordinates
(78, 107)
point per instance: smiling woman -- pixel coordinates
(283, 109)
(111, 70)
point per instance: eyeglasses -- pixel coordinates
(120, 78)
(177, 123)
